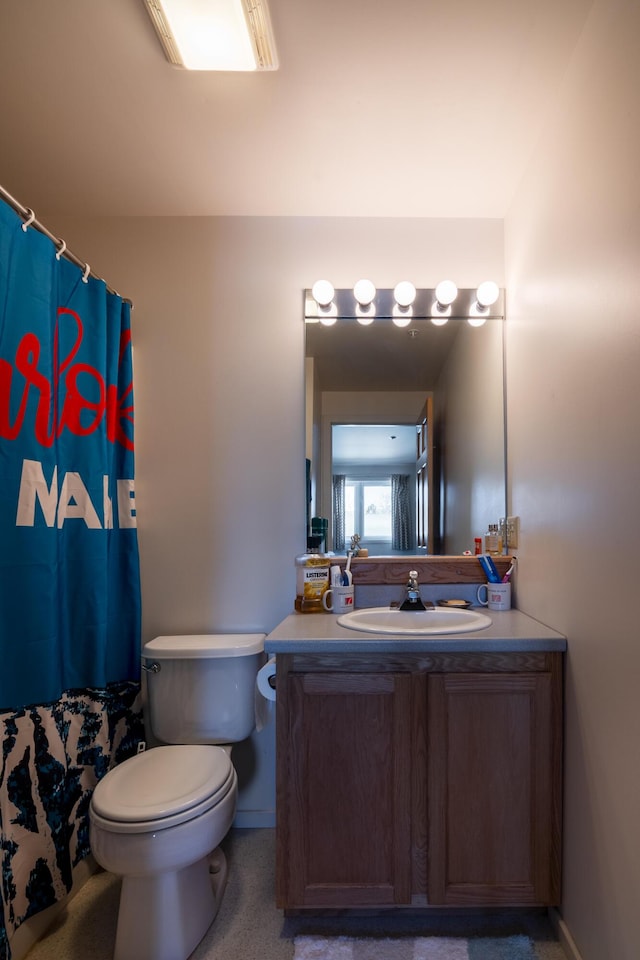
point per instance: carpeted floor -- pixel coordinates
(248, 926)
(414, 948)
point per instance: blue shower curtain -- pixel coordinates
(69, 572)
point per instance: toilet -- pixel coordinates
(157, 818)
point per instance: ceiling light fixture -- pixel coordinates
(215, 34)
(365, 303)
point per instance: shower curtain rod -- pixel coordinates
(30, 220)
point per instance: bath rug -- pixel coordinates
(414, 948)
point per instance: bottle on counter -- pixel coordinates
(492, 540)
(312, 577)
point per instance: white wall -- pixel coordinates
(573, 352)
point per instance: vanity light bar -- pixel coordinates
(425, 306)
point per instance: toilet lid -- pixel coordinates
(163, 782)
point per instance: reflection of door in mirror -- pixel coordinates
(425, 487)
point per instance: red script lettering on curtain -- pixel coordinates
(49, 422)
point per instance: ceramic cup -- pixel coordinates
(497, 596)
(338, 599)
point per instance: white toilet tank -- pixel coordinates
(201, 689)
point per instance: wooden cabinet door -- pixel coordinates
(494, 788)
(344, 830)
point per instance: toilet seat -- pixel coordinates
(162, 787)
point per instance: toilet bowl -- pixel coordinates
(157, 819)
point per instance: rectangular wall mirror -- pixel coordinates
(421, 402)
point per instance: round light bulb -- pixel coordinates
(446, 292)
(487, 293)
(476, 321)
(364, 291)
(323, 292)
(439, 321)
(328, 319)
(404, 293)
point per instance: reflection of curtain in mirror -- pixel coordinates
(338, 511)
(400, 512)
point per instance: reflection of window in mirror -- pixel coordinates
(368, 511)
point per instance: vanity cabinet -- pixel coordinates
(418, 780)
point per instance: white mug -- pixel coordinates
(341, 599)
(498, 596)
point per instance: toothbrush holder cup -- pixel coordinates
(339, 599)
(495, 596)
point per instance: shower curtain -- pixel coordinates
(69, 574)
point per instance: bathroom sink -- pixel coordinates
(434, 620)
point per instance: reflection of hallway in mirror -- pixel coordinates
(374, 486)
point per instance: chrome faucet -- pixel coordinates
(412, 600)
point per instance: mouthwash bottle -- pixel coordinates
(312, 577)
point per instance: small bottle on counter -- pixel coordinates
(478, 546)
(492, 540)
(312, 578)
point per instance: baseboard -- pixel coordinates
(564, 935)
(35, 927)
(247, 819)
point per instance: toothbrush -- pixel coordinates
(507, 576)
(489, 568)
(347, 576)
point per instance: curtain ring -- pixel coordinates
(29, 219)
(85, 275)
(61, 248)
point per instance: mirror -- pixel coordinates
(446, 383)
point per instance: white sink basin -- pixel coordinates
(434, 620)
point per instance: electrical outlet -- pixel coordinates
(513, 532)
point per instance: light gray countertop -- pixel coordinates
(510, 630)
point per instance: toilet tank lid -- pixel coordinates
(205, 645)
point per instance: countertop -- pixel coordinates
(510, 630)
